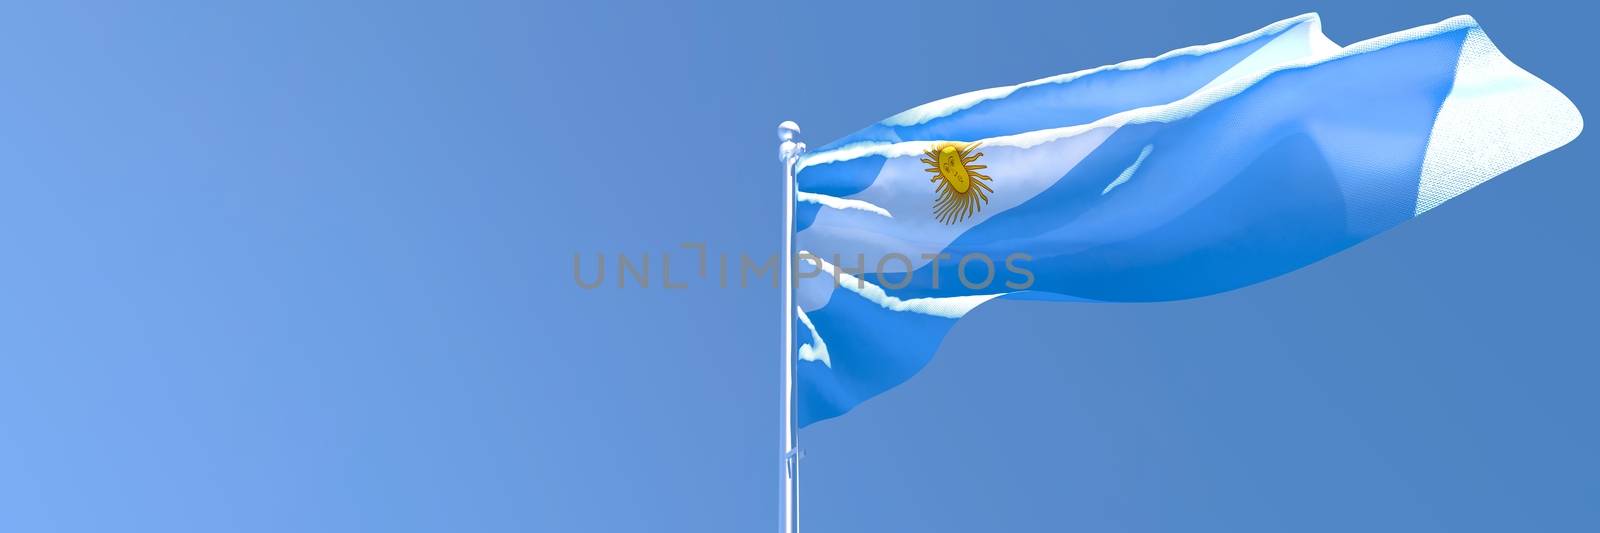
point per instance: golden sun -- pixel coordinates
(961, 188)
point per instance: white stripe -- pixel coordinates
(902, 187)
(836, 202)
(1496, 117)
(808, 352)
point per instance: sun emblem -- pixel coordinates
(961, 188)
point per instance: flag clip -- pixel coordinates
(791, 460)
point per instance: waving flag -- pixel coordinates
(1198, 171)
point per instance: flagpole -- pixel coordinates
(789, 152)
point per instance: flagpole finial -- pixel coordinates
(789, 135)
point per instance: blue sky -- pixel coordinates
(307, 267)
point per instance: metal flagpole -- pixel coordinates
(789, 152)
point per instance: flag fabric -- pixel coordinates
(1201, 170)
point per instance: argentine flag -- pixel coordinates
(1198, 171)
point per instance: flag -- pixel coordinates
(1195, 172)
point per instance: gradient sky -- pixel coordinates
(304, 266)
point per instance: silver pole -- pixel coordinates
(789, 152)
